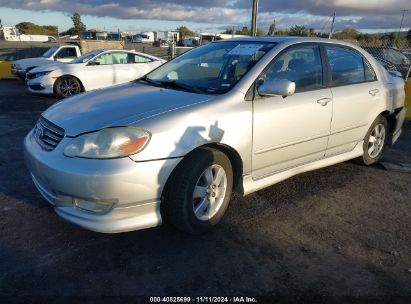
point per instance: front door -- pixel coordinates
(294, 130)
(99, 73)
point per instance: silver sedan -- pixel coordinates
(238, 114)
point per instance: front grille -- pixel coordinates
(47, 134)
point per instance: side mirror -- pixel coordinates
(276, 87)
(94, 63)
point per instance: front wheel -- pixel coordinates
(67, 86)
(374, 141)
(199, 191)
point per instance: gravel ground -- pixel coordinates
(342, 230)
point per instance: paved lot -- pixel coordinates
(342, 230)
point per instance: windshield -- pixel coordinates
(86, 57)
(213, 68)
(50, 51)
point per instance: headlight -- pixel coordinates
(40, 74)
(108, 143)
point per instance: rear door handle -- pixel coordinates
(373, 92)
(323, 101)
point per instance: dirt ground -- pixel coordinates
(342, 230)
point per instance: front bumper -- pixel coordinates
(135, 187)
(18, 73)
(41, 85)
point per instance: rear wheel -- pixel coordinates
(67, 86)
(374, 141)
(199, 191)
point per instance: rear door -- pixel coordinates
(142, 65)
(356, 95)
(129, 66)
(294, 130)
(123, 70)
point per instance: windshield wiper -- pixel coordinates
(171, 84)
(149, 80)
(179, 85)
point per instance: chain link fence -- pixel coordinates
(393, 56)
(164, 52)
(10, 51)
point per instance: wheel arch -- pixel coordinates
(230, 152)
(69, 75)
(235, 160)
(390, 117)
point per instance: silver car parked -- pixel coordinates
(237, 114)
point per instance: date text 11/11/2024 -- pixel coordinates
(239, 299)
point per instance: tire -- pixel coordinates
(374, 141)
(199, 191)
(67, 86)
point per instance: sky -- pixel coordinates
(209, 15)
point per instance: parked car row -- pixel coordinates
(63, 76)
(233, 115)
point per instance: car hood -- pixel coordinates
(47, 67)
(120, 105)
(27, 62)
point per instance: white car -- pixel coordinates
(55, 54)
(94, 70)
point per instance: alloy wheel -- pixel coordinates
(209, 192)
(69, 87)
(376, 141)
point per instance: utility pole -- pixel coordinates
(402, 19)
(332, 27)
(254, 18)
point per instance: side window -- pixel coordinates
(139, 59)
(348, 67)
(105, 59)
(67, 52)
(368, 72)
(120, 58)
(301, 65)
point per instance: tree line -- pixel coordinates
(30, 28)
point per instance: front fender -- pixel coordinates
(226, 120)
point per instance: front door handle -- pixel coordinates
(323, 101)
(373, 92)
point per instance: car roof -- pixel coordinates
(127, 51)
(285, 39)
